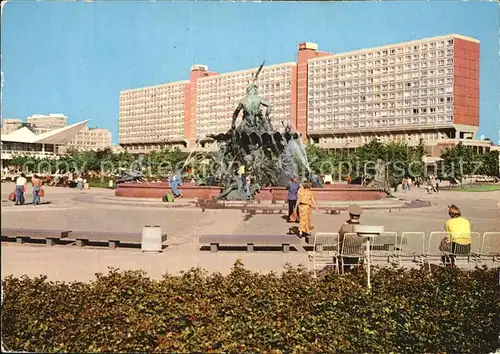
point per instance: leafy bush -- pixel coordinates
(407, 311)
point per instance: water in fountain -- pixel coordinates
(300, 152)
(288, 165)
(188, 159)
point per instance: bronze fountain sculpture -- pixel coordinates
(266, 153)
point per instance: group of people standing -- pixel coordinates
(21, 182)
(431, 185)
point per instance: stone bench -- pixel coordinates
(113, 239)
(283, 209)
(250, 241)
(208, 204)
(332, 210)
(264, 210)
(22, 235)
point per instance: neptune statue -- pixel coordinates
(255, 147)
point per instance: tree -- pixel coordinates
(489, 164)
(458, 162)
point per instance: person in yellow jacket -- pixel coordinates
(460, 232)
(305, 202)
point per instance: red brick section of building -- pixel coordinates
(466, 82)
(293, 99)
(197, 72)
(306, 51)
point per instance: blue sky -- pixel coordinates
(75, 57)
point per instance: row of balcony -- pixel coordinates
(386, 123)
(408, 84)
(430, 57)
(353, 98)
(230, 108)
(232, 82)
(153, 107)
(237, 95)
(149, 103)
(389, 102)
(145, 130)
(392, 74)
(431, 81)
(159, 117)
(148, 91)
(369, 115)
(159, 124)
(381, 53)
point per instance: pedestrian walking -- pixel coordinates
(293, 190)
(306, 202)
(36, 183)
(20, 188)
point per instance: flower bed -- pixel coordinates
(407, 311)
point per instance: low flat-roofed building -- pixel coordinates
(25, 142)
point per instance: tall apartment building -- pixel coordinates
(90, 139)
(10, 125)
(218, 96)
(152, 117)
(41, 123)
(424, 89)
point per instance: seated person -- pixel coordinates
(316, 181)
(355, 212)
(460, 231)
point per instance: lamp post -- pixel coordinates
(368, 232)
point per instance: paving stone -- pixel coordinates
(68, 209)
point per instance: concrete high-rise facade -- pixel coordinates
(10, 125)
(152, 117)
(41, 123)
(424, 89)
(90, 139)
(219, 95)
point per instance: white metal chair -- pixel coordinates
(411, 248)
(325, 251)
(384, 246)
(353, 249)
(464, 254)
(490, 247)
(433, 254)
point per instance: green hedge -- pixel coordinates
(408, 311)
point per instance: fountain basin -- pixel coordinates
(333, 192)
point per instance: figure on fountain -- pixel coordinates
(134, 174)
(253, 121)
(269, 156)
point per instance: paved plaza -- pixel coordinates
(98, 210)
